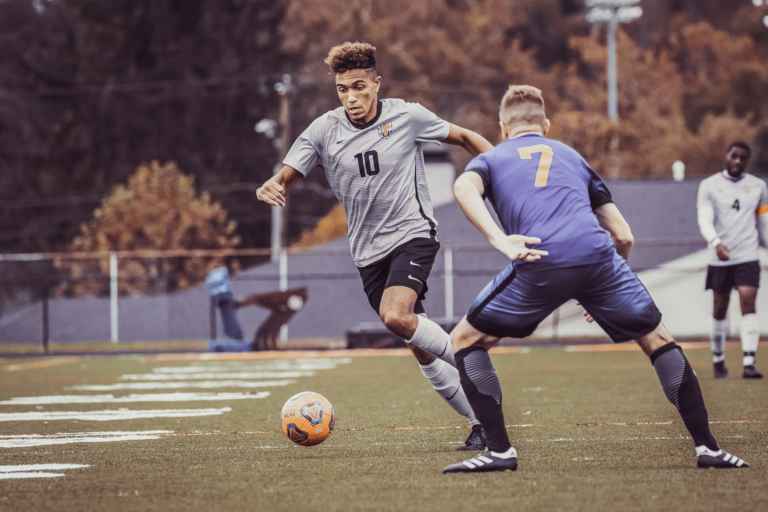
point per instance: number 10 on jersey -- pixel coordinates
(368, 163)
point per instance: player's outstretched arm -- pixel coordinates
(613, 221)
(468, 190)
(274, 190)
(473, 142)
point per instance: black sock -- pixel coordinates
(481, 385)
(682, 389)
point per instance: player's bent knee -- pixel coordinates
(402, 324)
(655, 339)
(464, 336)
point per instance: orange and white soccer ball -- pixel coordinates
(307, 418)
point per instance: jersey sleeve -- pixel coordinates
(425, 124)
(305, 150)
(705, 214)
(479, 165)
(599, 194)
(762, 207)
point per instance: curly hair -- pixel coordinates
(348, 55)
(522, 104)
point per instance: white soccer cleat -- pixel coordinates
(719, 459)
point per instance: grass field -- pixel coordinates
(593, 429)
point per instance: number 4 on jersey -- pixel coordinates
(545, 161)
(736, 205)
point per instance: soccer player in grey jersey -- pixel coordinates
(370, 150)
(732, 207)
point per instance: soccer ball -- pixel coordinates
(307, 418)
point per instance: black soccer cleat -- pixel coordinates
(750, 372)
(475, 441)
(719, 460)
(720, 370)
(483, 463)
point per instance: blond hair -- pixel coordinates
(346, 56)
(522, 104)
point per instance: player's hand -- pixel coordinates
(722, 252)
(271, 193)
(586, 314)
(514, 247)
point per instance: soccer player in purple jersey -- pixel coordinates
(547, 195)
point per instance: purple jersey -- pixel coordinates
(541, 187)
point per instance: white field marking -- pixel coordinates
(40, 467)
(738, 422)
(29, 474)
(36, 470)
(625, 347)
(183, 385)
(308, 364)
(229, 375)
(521, 425)
(42, 363)
(30, 440)
(148, 397)
(111, 414)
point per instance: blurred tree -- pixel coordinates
(158, 209)
(88, 88)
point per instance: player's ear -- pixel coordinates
(378, 83)
(547, 125)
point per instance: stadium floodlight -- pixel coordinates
(266, 127)
(611, 13)
(759, 3)
(765, 20)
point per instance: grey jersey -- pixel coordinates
(376, 172)
(728, 210)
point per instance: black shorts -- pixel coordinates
(407, 265)
(725, 278)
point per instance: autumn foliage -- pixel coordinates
(687, 86)
(157, 210)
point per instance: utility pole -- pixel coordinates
(279, 132)
(284, 88)
(611, 13)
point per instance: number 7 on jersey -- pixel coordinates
(545, 161)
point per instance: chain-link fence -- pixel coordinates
(151, 296)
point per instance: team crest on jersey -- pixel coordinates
(385, 129)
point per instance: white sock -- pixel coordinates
(703, 450)
(445, 380)
(430, 337)
(509, 454)
(717, 339)
(750, 336)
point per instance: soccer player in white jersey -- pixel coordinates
(732, 207)
(370, 150)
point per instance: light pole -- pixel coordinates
(761, 3)
(613, 12)
(279, 133)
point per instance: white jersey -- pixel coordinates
(730, 211)
(376, 172)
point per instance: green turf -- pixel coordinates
(593, 430)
